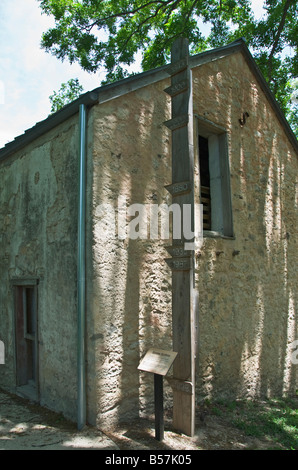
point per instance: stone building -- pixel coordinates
(81, 304)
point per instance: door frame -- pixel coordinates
(26, 350)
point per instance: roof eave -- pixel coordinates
(89, 99)
(270, 96)
(134, 82)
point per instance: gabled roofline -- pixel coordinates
(270, 96)
(113, 90)
(47, 124)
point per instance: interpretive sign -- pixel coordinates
(157, 361)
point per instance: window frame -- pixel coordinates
(220, 177)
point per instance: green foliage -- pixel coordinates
(67, 93)
(109, 33)
(274, 42)
(273, 421)
(292, 104)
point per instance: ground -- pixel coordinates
(24, 425)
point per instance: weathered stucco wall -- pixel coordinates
(248, 302)
(131, 292)
(38, 220)
(248, 286)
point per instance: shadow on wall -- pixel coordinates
(131, 292)
(248, 302)
(248, 290)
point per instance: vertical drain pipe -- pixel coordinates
(81, 271)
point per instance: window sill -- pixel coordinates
(212, 234)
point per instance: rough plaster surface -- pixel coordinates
(248, 303)
(247, 285)
(38, 240)
(131, 291)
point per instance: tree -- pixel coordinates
(67, 93)
(274, 40)
(109, 33)
(292, 113)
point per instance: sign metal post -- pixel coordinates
(158, 362)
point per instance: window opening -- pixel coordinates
(205, 182)
(214, 170)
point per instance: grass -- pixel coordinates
(272, 420)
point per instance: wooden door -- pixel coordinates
(26, 335)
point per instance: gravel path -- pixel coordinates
(25, 426)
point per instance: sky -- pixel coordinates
(29, 75)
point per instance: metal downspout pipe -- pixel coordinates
(81, 271)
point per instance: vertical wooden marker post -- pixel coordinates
(182, 261)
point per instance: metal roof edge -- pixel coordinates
(216, 53)
(98, 95)
(134, 82)
(270, 96)
(239, 45)
(53, 120)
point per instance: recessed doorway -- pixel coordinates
(26, 340)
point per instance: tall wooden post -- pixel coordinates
(182, 261)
